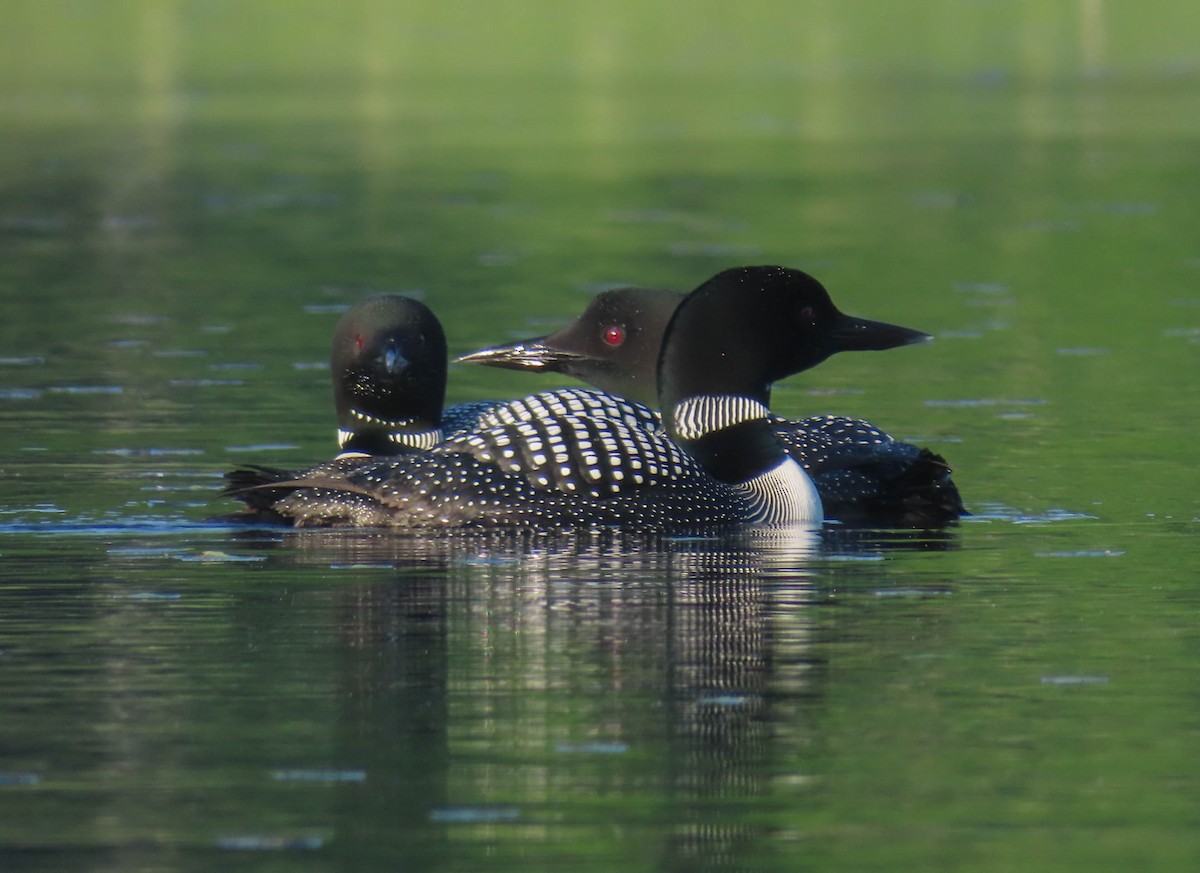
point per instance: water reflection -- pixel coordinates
(504, 690)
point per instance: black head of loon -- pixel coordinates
(615, 342)
(389, 376)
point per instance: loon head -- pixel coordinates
(613, 344)
(748, 327)
(389, 375)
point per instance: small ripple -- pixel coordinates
(181, 353)
(19, 393)
(498, 259)
(490, 560)
(46, 508)
(1083, 352)
(204, 383)
(326, 308)
(29, 361)
(728, 701)
(270, 842)
(107, 527)
(143, 552)
(215, 557)
(833, 392)
(474, 814)
(148, 453)
(1123, 207)
(148, 596)
(591, 748)
(310, 365)
(139, 319)
(86, 389)
(319, 775)
(19, 778)
(1082, 553)
(969, 402)
(236, 366)
(128, 222)
(913, 593)
(1074, 680)
(999, 512)
(262, 447)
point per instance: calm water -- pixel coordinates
(190, 193)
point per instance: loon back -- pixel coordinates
(568, 458)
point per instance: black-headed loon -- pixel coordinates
(862, 473)
(583, 458)
(388, 362)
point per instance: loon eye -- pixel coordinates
(358, 342)
(807, 314)
(613, 335)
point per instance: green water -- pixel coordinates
(191, 191)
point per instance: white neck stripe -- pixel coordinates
(417, 439)
(696, 416)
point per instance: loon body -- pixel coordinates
(862, 474)
(579, 457)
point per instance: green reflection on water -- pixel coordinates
(190, 190)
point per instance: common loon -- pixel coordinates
(862, 474)
(580, 457)
(388, 362)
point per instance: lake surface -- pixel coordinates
(191, 193)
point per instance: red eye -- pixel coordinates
(613, 335)
(806, 314)
(358, 341)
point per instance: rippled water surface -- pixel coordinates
(190, 194)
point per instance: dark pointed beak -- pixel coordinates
(850, 334)
(530, 354)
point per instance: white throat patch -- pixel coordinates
(783, 495)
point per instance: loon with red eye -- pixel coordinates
(613, 335)
(806, 314)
